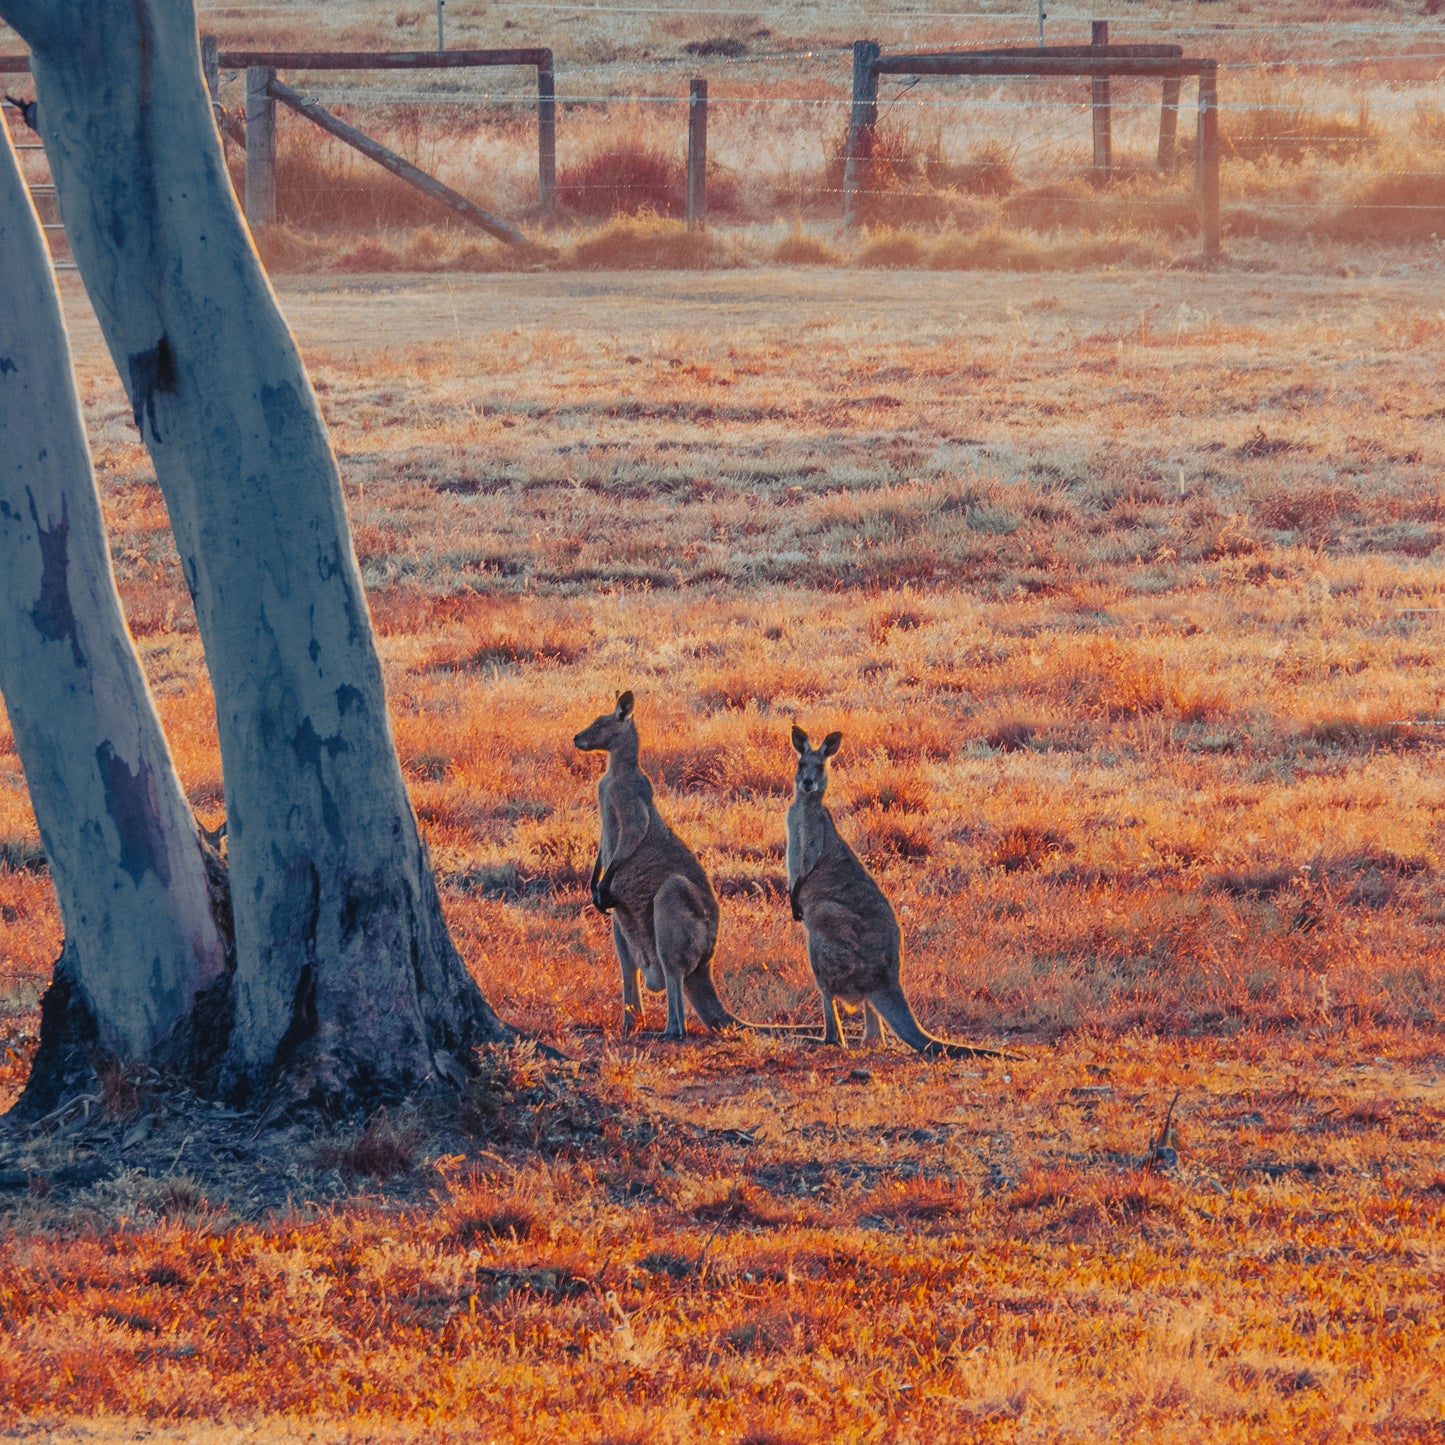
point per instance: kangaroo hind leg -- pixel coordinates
(872, 1027)
(631, 995)
(685, 936)
(702, 994)
(832, 1034)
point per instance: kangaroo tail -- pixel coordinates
(893, 1006)
(703, 996)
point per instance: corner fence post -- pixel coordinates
(547, 139)
(260, 201)
(1206, 163)
(697, 155)
(1103, 119)
(862, 122)
(1169, 126)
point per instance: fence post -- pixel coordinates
(1103, 126)
(1206, 158)
(441, 25)
(260, 203)
(1169, 126)
(547, 139)
(862, 121)
(211, 66)
(697, 155)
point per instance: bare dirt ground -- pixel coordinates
(364, 315)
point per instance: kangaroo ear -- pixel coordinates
(624, 704)
(831, 744)
(800, 740)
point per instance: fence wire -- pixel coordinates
(1320, 130)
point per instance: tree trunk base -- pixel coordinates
(68, 1061)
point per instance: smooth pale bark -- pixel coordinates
(141, 939)
(347, 984)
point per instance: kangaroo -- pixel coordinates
(664, 914)
(854, 946)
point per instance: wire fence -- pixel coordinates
(1316, 139)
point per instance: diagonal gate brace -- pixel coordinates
(373, 150)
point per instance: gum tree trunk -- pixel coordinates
(130, 869)
(347, 986)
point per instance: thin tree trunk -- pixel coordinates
(347, 984)
(127, 859)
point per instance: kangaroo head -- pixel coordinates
(812, 775)
(608, 730)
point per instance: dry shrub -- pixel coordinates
(1010, 735)
(624, 177)
(904, 835)
(897, 185)
(889, 248)
(988, 171)
(384, 1148)
(1048, 207)
(722, 47)
(798, 248)
(286, 248)
(1025, 847)
(1283, 125)
(887, 619)
(919, 1201)
(996, 248)
(1407, 207)
(742, 1205)
(647, 243)
(1103, 679)
(890, 787)
(1316, 511)
(370, 255)
(769, 1333)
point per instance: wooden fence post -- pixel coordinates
(862, 122)
(260, 202)
(697, 155)
(211, 66)
(547, 139)
(1103, 120)
(1206, 163)
(1169, 126)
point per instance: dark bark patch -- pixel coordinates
(283, 409)
(65, 1062)
(53, 616)
(349, 699)
(152, 373)
(302, 1028)
(309, 745)
(134, 808)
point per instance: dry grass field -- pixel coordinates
(1124, 590)
(1122, 578)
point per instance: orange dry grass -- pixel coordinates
(748, 1241)
(1115, 601)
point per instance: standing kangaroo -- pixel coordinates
(854, 945)
(664, 914)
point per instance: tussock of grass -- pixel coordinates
(798, 248)
(648, 243)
